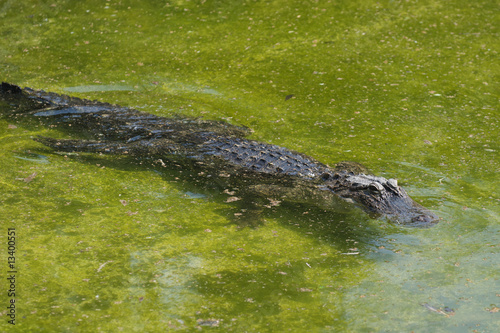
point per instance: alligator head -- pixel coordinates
(380, 197)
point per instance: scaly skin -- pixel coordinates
(120, 130)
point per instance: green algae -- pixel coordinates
(409, 88)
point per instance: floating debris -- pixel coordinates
(29, 178)
(32, 157)
(192, 195)
(493, 309)
(208, 322)
(447, 311)
(104, 264)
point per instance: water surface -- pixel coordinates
(408, 88)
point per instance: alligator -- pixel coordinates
(218, 146)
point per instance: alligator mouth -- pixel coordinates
(420, 218)
(425, 219)
(401, 210)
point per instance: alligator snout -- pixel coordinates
(426, 219)
(412, 215)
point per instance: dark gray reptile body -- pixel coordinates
(118, 130)
(263, 158)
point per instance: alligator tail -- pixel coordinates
(16, 101)
(9, 89)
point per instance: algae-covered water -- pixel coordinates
(106, 243)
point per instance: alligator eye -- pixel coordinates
(393, 183)
(376, 187)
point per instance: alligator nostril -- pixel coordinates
(424, 218)
(419, 218)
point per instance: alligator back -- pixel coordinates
(261, 157)
(119, 130)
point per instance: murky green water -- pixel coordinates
(408, 88)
